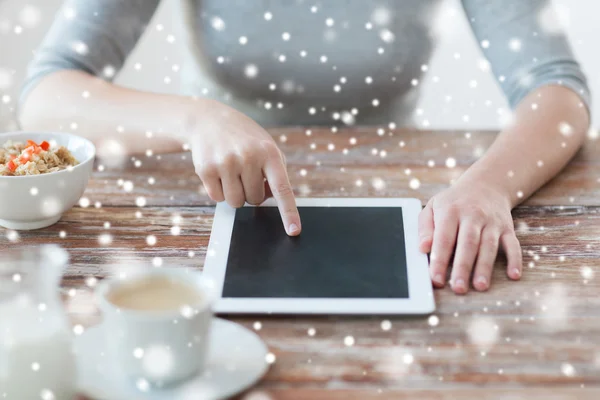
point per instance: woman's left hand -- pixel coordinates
(472, 220)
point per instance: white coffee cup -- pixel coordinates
(157, 340)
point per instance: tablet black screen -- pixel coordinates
(343, 252)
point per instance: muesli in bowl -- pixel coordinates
(42, 175)
(21, 159)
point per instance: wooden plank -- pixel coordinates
(333, 173)
(548, 320)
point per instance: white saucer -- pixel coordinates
(236, 360)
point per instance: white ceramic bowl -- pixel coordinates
(37, 201)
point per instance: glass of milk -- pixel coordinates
(36, 359)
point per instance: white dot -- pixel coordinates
(567, 369)
(337, 88)
(349, 341)
(312, 110)
(142, 385)
(368, 26)
(285, 36)
(187, 312)
(565, 129)
(414, 183)
(128, 186)
(80, 48)
(34, 191)
(138, 352)
(270, 358)
(243, 40)
(16, 278)
(323, 59)
(386, 325)
(387, 36)
(251, 71)
(485, 44)
(329, 22)
(414, 82)
(519, 194)
(268, 105)
(368, 80)
(534, 106)
(515, 44)
(105, 239)
(62, 234)
(175, 230)
(257, 326)
(378, 183)
(151, 240)
(433, 320)
(69, 13)
(157, 262)
(311, 332)
(282, 58)
(140, 201)
(35, 366)
(450, 162)
(217, 23)
(268, 16)
(408, 359)
(375, 102)
(47, 394)
(84, 202)
(78, 329)
(540, 163)
(303, 53)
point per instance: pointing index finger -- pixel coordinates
(277, 178)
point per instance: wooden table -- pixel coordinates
(544, 331)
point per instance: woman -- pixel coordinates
(282, 62)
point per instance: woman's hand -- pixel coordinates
(472, 220)
(233, 156)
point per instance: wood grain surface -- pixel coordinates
(534, 339)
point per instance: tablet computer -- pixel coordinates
(354, 256)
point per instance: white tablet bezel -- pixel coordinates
(420, 301)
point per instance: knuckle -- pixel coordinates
(490, 240)
(479, 214)
(471, 238)
(230, 160)
(446, 242)
(452, 210)
(204, 170)
(283, 190)
(236, 202)
(271, 149)
(289, 212)
(250, 155)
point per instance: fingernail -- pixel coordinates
(460, 284)
(481, 281)
(516, 272)
(293, 228)
(438, 279)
